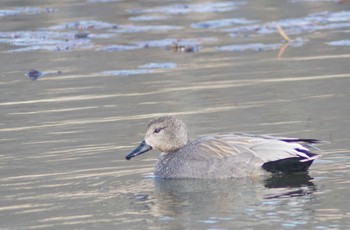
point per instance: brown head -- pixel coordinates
(166, 134)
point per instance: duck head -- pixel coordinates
(166, 134)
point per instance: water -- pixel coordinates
(107, 67)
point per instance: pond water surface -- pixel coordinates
(81, 79)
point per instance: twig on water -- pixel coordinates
(282, 33)
(281, 50)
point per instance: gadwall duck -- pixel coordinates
(221, 155)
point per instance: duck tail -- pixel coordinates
(305, 155)
(310, 158)
(302, 141)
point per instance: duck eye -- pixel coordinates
(157, 130)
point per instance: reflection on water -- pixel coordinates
(103, 68)
(229, 193)
(89, 34)
(179, 198)
(25, 10)
(299, 184)
(175, 200)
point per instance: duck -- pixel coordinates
(222, 155)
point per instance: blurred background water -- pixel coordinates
(81, 79)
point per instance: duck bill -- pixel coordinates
(142, 148)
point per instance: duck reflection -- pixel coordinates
(178, 196)
(298, 184)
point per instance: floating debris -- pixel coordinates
(34, 74)
(183, 48)
(281, 50)
(81, 35)
(282, 33)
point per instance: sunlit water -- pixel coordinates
(106, 67)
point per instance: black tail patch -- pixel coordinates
(287, 165)
(306, 152)
(307, 141)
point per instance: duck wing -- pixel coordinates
(273, 153)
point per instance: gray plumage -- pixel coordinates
(221, 155)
